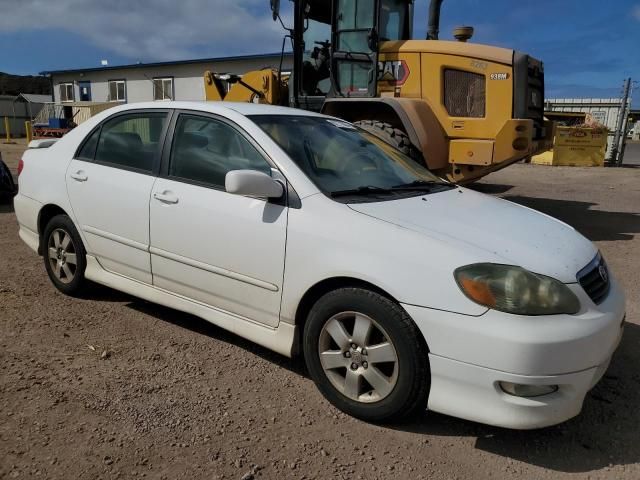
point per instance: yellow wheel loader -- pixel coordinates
(462, 109)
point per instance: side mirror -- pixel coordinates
(253, 184)
(275, 9)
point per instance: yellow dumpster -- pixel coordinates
(576, 147)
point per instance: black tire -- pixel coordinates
(393, 136)
(412, 377)
(69, 285)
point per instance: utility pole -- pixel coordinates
(616, 159)
(626, 126)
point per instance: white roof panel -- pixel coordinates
(33, 98)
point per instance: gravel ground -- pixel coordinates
(109, 386)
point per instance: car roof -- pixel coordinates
(221, 107)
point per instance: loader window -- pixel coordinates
(355, 54)
(315, 62)
(354, 78)
(355, 19)
(355, 14)
(393, 20)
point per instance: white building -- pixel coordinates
(141, 82)
(604, 110)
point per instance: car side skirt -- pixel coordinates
(279, 339)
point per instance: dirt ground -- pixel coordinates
(109, 386)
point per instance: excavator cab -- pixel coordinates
(358, 28)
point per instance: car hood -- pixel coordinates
(500, 231)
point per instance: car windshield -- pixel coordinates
(347, 163)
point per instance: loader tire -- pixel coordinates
(393, 136)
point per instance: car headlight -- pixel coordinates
(515, 290)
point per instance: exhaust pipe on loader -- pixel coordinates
(434, 19)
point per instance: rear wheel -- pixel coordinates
(393, 136)
(366, 355)
(64, 255)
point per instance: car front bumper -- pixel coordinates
(469, 357)
(473, 393)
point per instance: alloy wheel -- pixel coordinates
(358, 357)
(62, 255)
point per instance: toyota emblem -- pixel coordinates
(602, 270)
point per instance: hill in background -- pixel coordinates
(15, 84)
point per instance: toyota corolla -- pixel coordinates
(309, 236)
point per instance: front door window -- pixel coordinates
(205, 150)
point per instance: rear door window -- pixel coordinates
(88, 149)
(131, 141)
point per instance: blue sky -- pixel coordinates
(588, 46)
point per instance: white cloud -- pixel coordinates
(154, 30)
(636, 12)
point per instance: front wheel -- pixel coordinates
(366, 355)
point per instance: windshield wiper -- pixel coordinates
(422, 184)
(366, 190)
(373, 190)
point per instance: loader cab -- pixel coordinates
(358, 28)
(336, 45)
(312, 54)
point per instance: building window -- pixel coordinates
(117, 91)
(66, 92)
(163, 88)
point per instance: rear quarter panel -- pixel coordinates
(43, 178)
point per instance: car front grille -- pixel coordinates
(594, 279)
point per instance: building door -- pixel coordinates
(85, 91)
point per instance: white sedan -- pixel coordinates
(306, 235)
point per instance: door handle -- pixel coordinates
(165, 197)
(80, 176)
